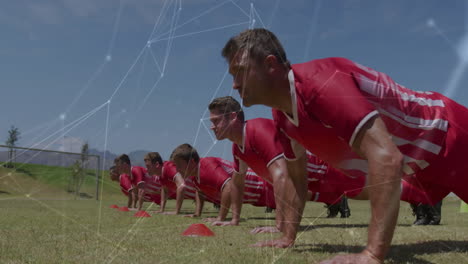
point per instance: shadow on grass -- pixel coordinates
(398, 253)
(4, 192)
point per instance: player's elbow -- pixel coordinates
(390, 160)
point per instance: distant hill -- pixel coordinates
(66, 160)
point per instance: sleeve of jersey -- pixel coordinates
(214, 175)
(125, 183)
(138, 174)
(236, 159)
(170, 171)
(339, 104)
(266, 142)
(285, 142)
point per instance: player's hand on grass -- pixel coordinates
(277, 243)
(364, 257)
(169, 213)
(210, 219)
(192, 215)
(224, 223)
(265, 229)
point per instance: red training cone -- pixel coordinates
(123, 209)
(141, 214)
(114, 206)
(197, 230)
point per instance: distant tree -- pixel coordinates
(13, 137)
(84, 165)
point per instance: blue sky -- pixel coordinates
(53, 61)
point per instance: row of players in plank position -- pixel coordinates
(188, 176)
(391, 142)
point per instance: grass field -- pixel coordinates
(41, 229)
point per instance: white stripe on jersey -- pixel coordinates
(420, 143)
(312, 179)
(421, 163)
(254, 186)
(315, 166)
(414, 122)
(252, 194)
(253, 182)
(316, 171)
(316, 196)
(378, 90)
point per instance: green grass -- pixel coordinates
(40, 228)
(50, 181)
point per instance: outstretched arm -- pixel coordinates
(385, 163)
(290, 187)
(141, 194)
(180, 192)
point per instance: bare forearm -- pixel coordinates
(179, 198)
(163, 200)
(199, 204)
(141, 194)
(290, 199)
(384, 192)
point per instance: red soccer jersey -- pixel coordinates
(137, 174)
(213, 174)
(333, 98)
(167, 178)
(263, 145)
(125, 184)
(152, 188)
(260, 147)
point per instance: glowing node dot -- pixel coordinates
(108, 101)
(216, 141)
(28, 195)
(124, 110)
(108, 58)
(463, 49)
(351, 232)
(430, 22)
(253, 21)
(9, 174)
(162, 74)
(127, 125)
(63, 116)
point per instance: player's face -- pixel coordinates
(249, 79)
(220, 124)
(114, 175)
(148, 164)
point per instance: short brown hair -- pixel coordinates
(227, 104)
(259, 43)
(185, 152)
(154, 157)
(123, 159)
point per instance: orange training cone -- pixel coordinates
(141, 214)
(114, 206)
(197, 230)
(123, 209)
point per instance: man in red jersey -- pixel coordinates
(173, 185)
(212, 177)
(359, 121)
(257, 145)
(136, 175)
(127, 187)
